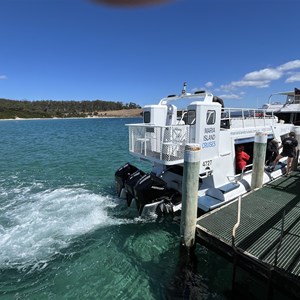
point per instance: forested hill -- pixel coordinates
(11, 109)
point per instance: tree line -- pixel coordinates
(10, 109)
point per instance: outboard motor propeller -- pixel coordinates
(165, 207)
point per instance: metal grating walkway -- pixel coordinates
(260, 236)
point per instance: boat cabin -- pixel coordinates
(286, 106)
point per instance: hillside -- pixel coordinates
(12, 109)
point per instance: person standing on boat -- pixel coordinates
(289, 145)
(272, 151)
(241, 158)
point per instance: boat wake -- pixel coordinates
(36, 225)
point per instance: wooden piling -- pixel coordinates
(190, 187)
(259, 156)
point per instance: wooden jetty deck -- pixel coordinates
(267, 241)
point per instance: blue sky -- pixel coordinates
(240, 50)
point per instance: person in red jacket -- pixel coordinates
(241, 158)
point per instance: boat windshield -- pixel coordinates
(287, 97)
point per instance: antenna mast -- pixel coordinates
(183, 92)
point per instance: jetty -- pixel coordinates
(260, 233)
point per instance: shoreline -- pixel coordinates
(71, 118)
(130, 113)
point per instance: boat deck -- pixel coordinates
(268, 238)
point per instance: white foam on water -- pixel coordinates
(37, 226)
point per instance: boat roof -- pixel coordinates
(291, 93)
(184, 99)
(196, 95)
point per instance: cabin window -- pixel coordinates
(297, 95)
(182, 116)
(147, 117)
(211, 117)
(290, 99)
(191, 117)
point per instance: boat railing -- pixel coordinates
(245, 117)
(158, 143)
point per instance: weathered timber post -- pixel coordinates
(190, 186)
(259, 156)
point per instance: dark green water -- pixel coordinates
(65, 235)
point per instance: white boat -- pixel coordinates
(287, 110)
(198, 118)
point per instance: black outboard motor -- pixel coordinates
(122, 174)
(130, 183)
(148, 189)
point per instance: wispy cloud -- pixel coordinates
(3, 77)
(209, 84)
(264, 75)
(244, 83)
(295, 64)
(263, 78)
(259, 79)
(230, 96)
(293, 78)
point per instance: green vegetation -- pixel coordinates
(11, 109)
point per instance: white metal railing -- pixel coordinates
(244, 117)
(247, 113)
(163, 143)
(238, 221)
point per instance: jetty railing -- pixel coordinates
(238, 221)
